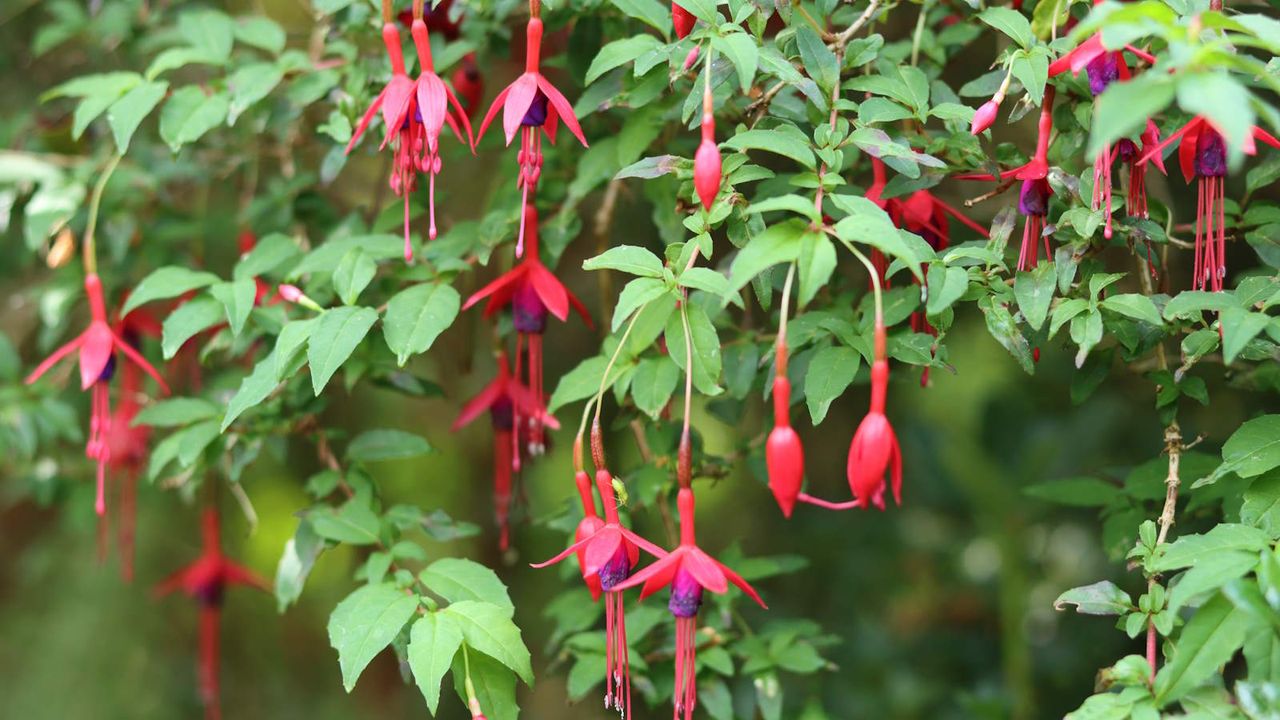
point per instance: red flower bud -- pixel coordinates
(985, 116)
(291, 293)
(783, 451)
(706, 170)
(874, 449)
(682, 20)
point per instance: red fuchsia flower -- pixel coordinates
(783, 452)
(508, 402)
(682, 20)
(433, 98)
(469, 85)
(688, 570)
(874, 450)
(706, 162)
(127, 454)
(205, 580)
(588, 526)
(398, 106)
(1202, 155)
(533, 292)
(530, 103)
(1132, 155)
(1103, 67)
(96, 348)
(1034, 197)
(611, 553)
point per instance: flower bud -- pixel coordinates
(291, 293)
(706, 172)
(985, 117)
(783, 451)
(682, 20)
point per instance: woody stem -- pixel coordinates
(535, 8)
(386, 11)
(417, 9)
(95, 202)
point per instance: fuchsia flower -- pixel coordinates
(1103, 68)
(783, 451)
(682, 20)
(530, 103)
(1202, 155)
(398, 105)
(874, 450)
(689, 571)
(1034, 197)
(96, 348)
(587, 527)
(706, 162)
(432, 99)
(126, 454)
(533, 292)
(611, 552)
(507, 402)
(205, 580)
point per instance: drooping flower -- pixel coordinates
(510, 405)
(530, 103)
(688, 570)
(126, 456)
(96, 348)
(874, 450)
(1132, 156)
(533, 292)
(682, 20)
(783, 452)
(1202, 155)
(1035, 194)
(205, 580)
(611, 552)
(433, 98)
(404, 132)
(1103, 67)
(468, 84)
(985, 116)
(707, 164)
(590, 523)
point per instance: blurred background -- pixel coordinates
(943, 606)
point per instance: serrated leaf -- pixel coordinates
(830, 373)
(336, 336)
(459, 579)
(433, 641)
(488, 628)
(365, 623)
(653, 384)
(628, 259)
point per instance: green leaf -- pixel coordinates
(619, 53)
(816, 263)
(1239, 326)
(1033, 72)
(650, 12)
(127, 113)
(782, 143)
(1002, 327)
(779, 243)
(706, 347)
(334, 339)
(375, 445)
(293, 336)
(180, 57)
(208, 30)
(579, 383)
(1134, 305)
(488, 628)
(1253, 449)
(459, 579)
(830, 373)
(1189, 304)
(495, 685)
(260, 32)
(868, 224)
(299, 556)
(819, 62)
(790, 202)
(352, 523)
(433, 641)
(176, 412)
(1081, 492)
(946, 286)
(1261, 507)
(705, 279)
(628, 259)
(704, 10)
(1194, 550)
(237, 300)
(354, 273)
(741, 50)
(267, 255)
(1100, 598)
(1011, 23)
(1034, 292)
(634, 295)
(1123, 109)
(653, 384)
(249, 84)
(187, 321)
(1208, 641)
(1221, 98)
(255, 388)
(1209, 577)
(326, 257)
(190, 114)
(416, 317)
(167, 282)
(366, 622)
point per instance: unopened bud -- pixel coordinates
(62, 249)
(985, 116)
(293, 294)
(706, 172)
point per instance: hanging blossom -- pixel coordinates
(707, 164)
(398, 105)
(874, 450)
(783, 451)
(532, 291)
(1103, 67)
(588, 526)
(1035, 194)
(96, 348)
(507, 402)
(433, 99)
(688, 570)
(529, 104)
(1202, 155)
(610, 552)
(205, 580)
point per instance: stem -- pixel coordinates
(417, 9)
(597, 450)
(684, 455)
(780, 344)
(875, 278)
(919, 33)
(387, 14)
(95, 203)
(535, 8)
(473, 702)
